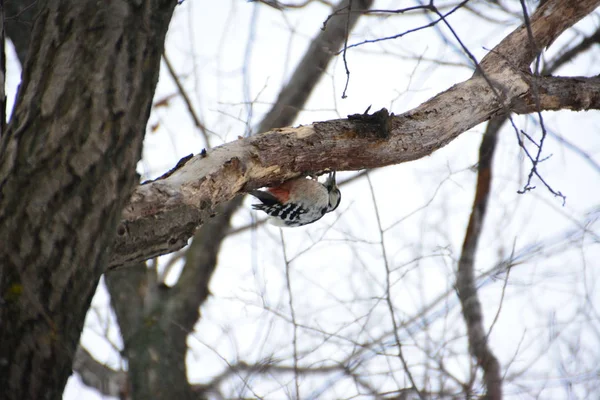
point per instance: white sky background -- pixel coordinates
(548, 328)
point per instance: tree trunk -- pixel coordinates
(67, 168)
(154, 344)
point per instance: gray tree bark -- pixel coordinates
(67, 169)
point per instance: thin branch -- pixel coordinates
(187, 100)
(535, 93)
(585, 155)
(570, 54)
(536, 96)
(388, 295)
(247, 64)
(429, 7)
(288, 283)
(344, 51)
(267, 368)
(512, 254)
(465, 279)
(106, 380)
(310, 69)
(279, 5)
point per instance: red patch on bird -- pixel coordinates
(282, 194)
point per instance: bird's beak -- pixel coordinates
(330, 183)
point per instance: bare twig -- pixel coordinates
(108, 381)
(465, 280)
(428, 7)
(279, 5)
(288, 283)
(536, 96)
(344, 51)
(388, 296)
(187, 100)
(503, 291)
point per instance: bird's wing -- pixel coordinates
(266, 198)
(281, 193)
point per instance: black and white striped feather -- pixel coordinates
(308, 201)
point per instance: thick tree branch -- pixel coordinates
(164, 214)
(560, 93)
(547, 23)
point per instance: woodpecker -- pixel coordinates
(299, 201)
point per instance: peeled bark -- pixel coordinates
(67, 169)
(162, 215)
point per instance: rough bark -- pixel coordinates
(164, 214)
(551, 19)
(560, 93)
(67, 169)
